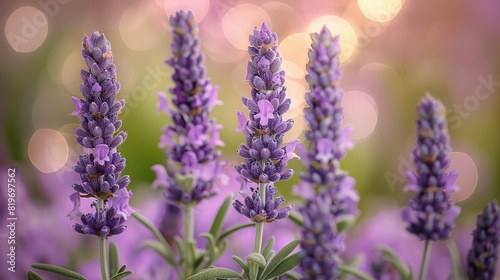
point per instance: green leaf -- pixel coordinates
(345, 222)
(34, 276)
(211, 245)
(350, 270)
(185, 181)
(457, 267)
(121, 275)
(114, 259)
(181, 248)
(122, 268)
(215, 273)
(280, 256)
(393, 258)
(268, 248)
(292, 275)
(169, 252)
(59, 270)
(257, 259)
(161, 250)
(241, 263)
(296, 219)
(232, 230)
(220, 217)
(286, 265)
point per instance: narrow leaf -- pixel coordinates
(122, 268)
(292, 275)
(349, 270)
(296, 219)
(143, 220)
(161, 250)
(457, 267)
(34, 276)
(232, 230)
(121, 275)
(59, 270)
(241, 263)
(286, 265)
(211, 246)
(220, 217)
(280, 255)
(393, 258)
(114, 259)
(268, 248)
(257, 259)
(215, 273)
(180, 246)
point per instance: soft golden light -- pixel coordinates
(240, 21)
(380, 10)
(467, 175)
(337, 25)
(26, 29)
(48, 150)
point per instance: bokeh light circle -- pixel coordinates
(467, 175)
(380, 10)
(26, 29)
(337, 26)
(140, 28)
(240, 21)
(198, 7)
(48, 150)
(361, 113)
(293, 49)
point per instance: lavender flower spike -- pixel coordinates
(190, 142)
(431, 214)
(328, 141)
(483, 255)
(328, 191)
(265, 157)
(101, 164)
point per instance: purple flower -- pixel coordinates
(259, 211)
(320, 243)
(265, 158)
(431, 214)
(100, 165)
(324, 115)
(328, 192)
(483, 255)
(192, 138)
(103, 223)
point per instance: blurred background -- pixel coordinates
(393, 51)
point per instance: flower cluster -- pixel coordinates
(265, 157)
(483, 255)
(101, 164)
(190, 142)
(259, 211)
(328, 191)
(431, 214)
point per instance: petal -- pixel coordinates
(161, 176)
(101, 153)
(75, 198)
(266, 110)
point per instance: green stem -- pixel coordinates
(189, 226)
(102, 247)
(189, 240)
(425, 260)
(259, 227)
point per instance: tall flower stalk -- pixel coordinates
(190, 142)
(482, 257)
(101, 164)
(265, 156)
(431, 213)
(327, 190)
